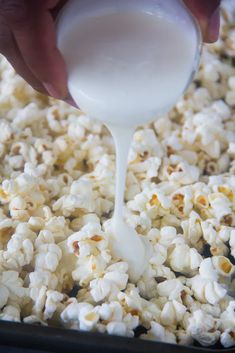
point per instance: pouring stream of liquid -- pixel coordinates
(126, 243)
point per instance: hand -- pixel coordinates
(28, 40)
(207, 13)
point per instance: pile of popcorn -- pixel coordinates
(57, 193)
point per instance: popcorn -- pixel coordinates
(28, 115)
(36, 223)
(223, 266)
(6, 132)
(87, 270)
(182, 201)
(43, 278)
(172, 313)
(81, 316)
(118, 328)
(220, 206)
(70, 314)
(171, 289)
(207, 291)
(210, 234)
(184, 259)
(90, 245)
(51, 304)
(227, 338)
(81, 197)
(131, 299)
(213, 310)
(227, 319)
(20, 248)
(113, 281)
(203, 328)
(184, 338)
(10, 313)
(167, 235)
(16, 162)
(160, 255)
(192, 229)
(232, 243)
(207, 270)
(181, 173)
(7, 227)
(4, 294)
(147, 286)
(230, 98)
(75, 130)
(111, 312)
(159, 333)
(47, 257)
(11, 287)
(65, 270)
(24, 184)
(163, 272)
(38, 296)
(221, 108)
(158, 199)
(17, 208)
(57, 188)
(33, 319)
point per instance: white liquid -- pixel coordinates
(126, 244)
(127, 68)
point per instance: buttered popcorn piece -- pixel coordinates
(57, 185)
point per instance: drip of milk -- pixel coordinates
(127, 63)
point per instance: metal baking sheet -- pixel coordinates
(50, 339)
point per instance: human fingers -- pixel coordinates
(33, 29)
(207, 13)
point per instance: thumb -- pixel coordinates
(207, 13)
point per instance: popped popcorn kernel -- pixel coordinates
(226, 191)
(96, 238)
(154, 201)
(4, 196)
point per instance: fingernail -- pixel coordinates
(71, 102)
(214, 25)
(52, 91)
